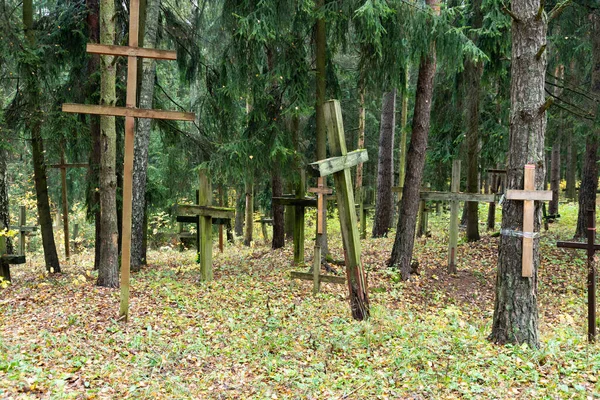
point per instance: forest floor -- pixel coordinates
(253, 333)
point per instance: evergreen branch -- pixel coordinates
(558, 9)
(587, 95)
(582, 113)
(510, 13)
(590, 118)
(174, 102)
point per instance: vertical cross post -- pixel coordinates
(321, 191)
(22, 229)
(591, 248)
(453, 240)
(317, 270)
(205, 243)
(65, 199)
(528, 195)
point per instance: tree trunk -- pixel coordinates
(4, 205)
(589, 176)
(34, 125)
(249, 212)
(589, 185)
(239, 213)
(515, 311)
(571, 164)
(403, 137)
(320, 50)
(358, 181)
(385, 166)
(108, 274)
(93, 67)
(142, 141)
(555, 176)
(473, 72)
(494, 184)
(409, 205)
(278, 219)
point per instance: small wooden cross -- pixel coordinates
(7, 259)
(206, 213)
(22, 229)
(130, 112)
(321, 190)
(65, 202)
(339, 165)
(591, 248)
(528, 195)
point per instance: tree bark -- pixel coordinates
(4, 204)
(409, 205)
(278, 218)
(108, 273)
(515, 311)
(358, 181)
(249, 212)
(385, 166)
(589, 176)
(239, 213)
(321, 60)
(571, 164)
(555, 176)
(473, 73)
(142, 141)
(34, 125)
(93, 67)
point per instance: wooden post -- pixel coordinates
(357, 285)
(316, 270)
(591, 248)
(299, 222)
(453, 240)
(4, 266)
(423, 211)
(528, 195)
(22, 223)
(205, 243)
(321, 191)
(65, 206)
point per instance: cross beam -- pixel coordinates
(591, 248)
(65, 201)
(22, 229)
(7, 259)
(130, 112)
(321, 191)
(528, 195)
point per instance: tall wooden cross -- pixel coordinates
(22, 229)
(591, 248)
(206, 213)
(339, 165)
(65, 202)
(528, 195)
(321, 191)
(130, 112)
(7, 259)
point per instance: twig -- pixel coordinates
(345, 396)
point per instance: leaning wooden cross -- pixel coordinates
(591, 248)
(339, 165)
(65, 202)
(316, 276)
(206, 212)
(130, 112)
(22, 229)
(528, 195)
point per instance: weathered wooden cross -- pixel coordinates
(264, 221)
(299, 202)
(339, 165)
(22, 229)
(65, 202)
(528, 195)
(591, 248)
(455, 198)
(205, 212)
(130, 112)
(321, 191)
(7, 259)
(195, 219)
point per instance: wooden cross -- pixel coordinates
(22, 229)
(316, 276)
(455, 198)
(264, 221)
(339, 165)
(130, 112)
(528, 195)
(7, 259)
(321, 191)
(205, 212)
(299, 202)
(591, 248)
(65, 202)
(195, 219)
